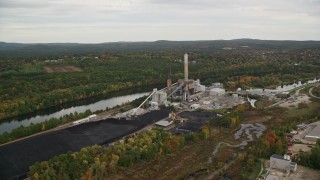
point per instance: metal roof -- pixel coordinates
(315, 132)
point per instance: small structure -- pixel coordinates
(235, 95)
(92, 117)
(164, 123)
(172, 116)
(314, 134)
(195, 106)
(84, 120)
(217, 85)
(154, 106)
(206, 102)
(282, 163)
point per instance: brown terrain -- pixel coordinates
(61, 68)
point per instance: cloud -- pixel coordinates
(109, 20)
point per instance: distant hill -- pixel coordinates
(8, 50)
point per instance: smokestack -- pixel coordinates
(185, 67)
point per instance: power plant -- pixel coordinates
(182, 90)
(183, 93)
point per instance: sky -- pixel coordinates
(97, 21)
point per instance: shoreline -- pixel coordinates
(80, 102)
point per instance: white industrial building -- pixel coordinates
(217, 92)
(282, 163)
(159, 96)
(198, 87)
(314, 134)
(195, 106)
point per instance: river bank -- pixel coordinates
(81, 102)
(101, 105)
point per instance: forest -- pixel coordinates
(38, 76)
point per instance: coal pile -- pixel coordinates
(18, 156)
(195, 120)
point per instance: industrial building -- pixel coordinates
(159, 97)
(314, 134)
(282, 163)
(195, 106)
(217, 92)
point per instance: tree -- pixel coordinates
(271, 139)
(278, 149)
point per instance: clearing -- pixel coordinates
(61, 68)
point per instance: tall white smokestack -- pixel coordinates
(185, 67)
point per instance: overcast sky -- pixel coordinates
(95, 21)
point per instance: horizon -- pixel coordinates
(159, 40)
(52, 21)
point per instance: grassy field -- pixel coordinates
(311, 108)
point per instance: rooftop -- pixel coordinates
(315, 132)
(276, 156)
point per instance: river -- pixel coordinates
(7, 126)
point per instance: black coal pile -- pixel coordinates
(195, 120)
(18, 156)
